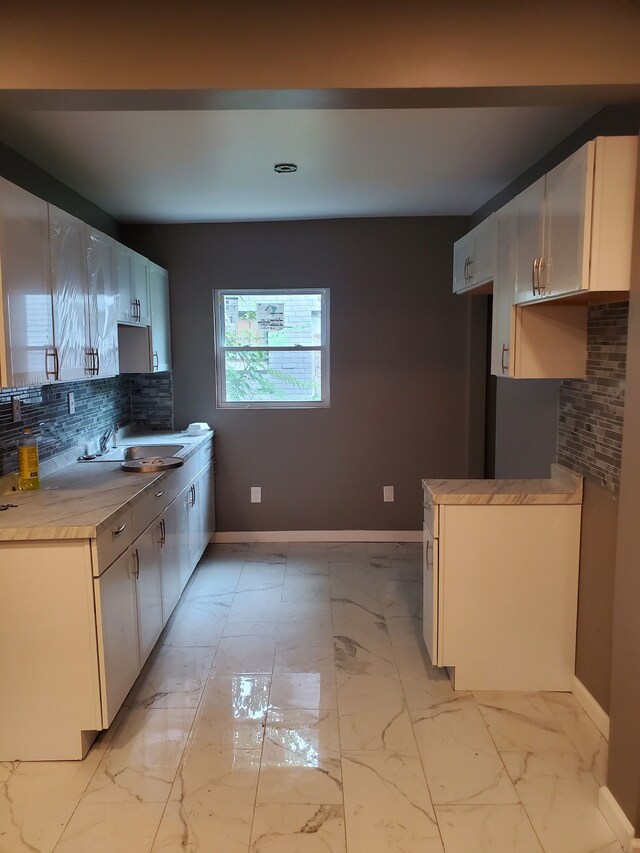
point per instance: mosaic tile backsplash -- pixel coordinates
(100, 403)
(591, 411)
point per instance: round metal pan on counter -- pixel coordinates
(151, 464)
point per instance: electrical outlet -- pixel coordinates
(72, 402)
(16, 409)
(256, 494)
(387, 494)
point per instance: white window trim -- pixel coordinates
(220, 349)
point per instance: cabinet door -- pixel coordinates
(174, 552)
(103, 304)
(149, 588)
(160, 322)
(140, 287)
(26, 288)
(122, 283)
(483, 255)
(567, 224)
(461, 258)
(117, 617)
(430, 570)
(503, 292)
(68, 249)
(529, 209)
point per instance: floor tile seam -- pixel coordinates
(539, 752)
(490, 805)
(264, 731)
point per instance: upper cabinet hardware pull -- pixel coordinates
(119, 530)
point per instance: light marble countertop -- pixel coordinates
(562, 487)
(79, 500)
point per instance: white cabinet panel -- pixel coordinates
(122, 281)
(140, 288)
(160, 318)
(116, 612)
(28, 355)
(474, 257)
(567, 224)
(528, 210)
(68, 248)
(103, 304)
(175, 552)
(147, 553)
(430, 593)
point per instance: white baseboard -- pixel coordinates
(318, 536)
(618, 821)
(590, 706)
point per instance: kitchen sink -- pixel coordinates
(138, 451)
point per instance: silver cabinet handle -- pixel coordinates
(505, 349)
(541, 266)
(426, 554)
(119, 530)
(97, 361)
(163, 533)
(469, 265)
(466, 264)
(156, 361)
(88, 364)
(160, 493)
(136, 572)
(534, 270)
(193, 495)
(51, 352)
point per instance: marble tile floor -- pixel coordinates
(290, 707)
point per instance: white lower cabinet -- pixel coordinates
(117, 624)
(500, 594)
(148, 559)
(79, 618)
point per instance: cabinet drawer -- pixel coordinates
(430, 515)
(114, 540)
(155, 502)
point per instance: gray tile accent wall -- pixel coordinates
(152, 400)
(100, 403)
(591, 411)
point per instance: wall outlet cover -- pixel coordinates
(256, 494)
(388, 494)
(16, 409)
(72, 403)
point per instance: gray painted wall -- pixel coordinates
(526, 427)
(17, 169)
(400, 354)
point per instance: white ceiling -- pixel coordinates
(190, 166)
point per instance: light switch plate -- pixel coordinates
(256, 494)
(388, 494)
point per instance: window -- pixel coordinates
(272, 348)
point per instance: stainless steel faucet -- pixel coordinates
(109, 437)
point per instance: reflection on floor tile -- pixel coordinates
(291, 707)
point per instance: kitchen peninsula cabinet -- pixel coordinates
(500, 563)
(82, 602)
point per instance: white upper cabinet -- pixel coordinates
(27, 355)
(577, 228)
(474, 257)
(503, 290)
(68, 250)
(160, 323)
(122, 281)
(528, 234)
(140, 288)
(103, 305)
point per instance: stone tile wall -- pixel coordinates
(591, 411)
(152, 399)
(100, 403)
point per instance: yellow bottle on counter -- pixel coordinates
(28, 462)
